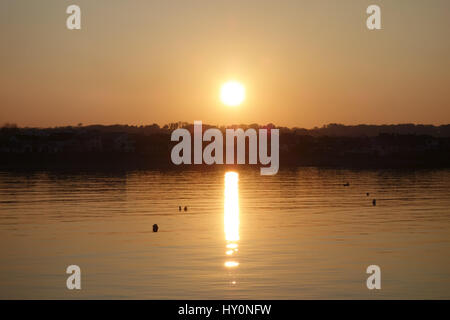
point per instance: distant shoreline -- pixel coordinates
(148, 147)
(130, 161)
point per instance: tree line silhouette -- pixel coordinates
(125, 146)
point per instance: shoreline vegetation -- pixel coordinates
(123, 147)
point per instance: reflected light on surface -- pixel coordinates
(231, 264)
(231, 207)
(231, 216)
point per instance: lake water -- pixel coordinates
(299, 234)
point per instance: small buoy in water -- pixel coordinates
(179, 208)
(155, 228)
(367, 194)
(346, 184)
(374, 202)
(185, 208)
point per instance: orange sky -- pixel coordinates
(304, 63)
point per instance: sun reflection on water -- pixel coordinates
(231, 216)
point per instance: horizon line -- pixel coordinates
(185, 123)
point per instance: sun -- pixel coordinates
(232, 93)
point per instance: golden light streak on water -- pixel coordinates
(231, 264)
(231, 215)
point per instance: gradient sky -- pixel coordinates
(304, 63)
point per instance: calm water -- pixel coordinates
(298, 235)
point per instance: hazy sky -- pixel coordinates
(304, 63)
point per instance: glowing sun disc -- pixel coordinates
(232, 93)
